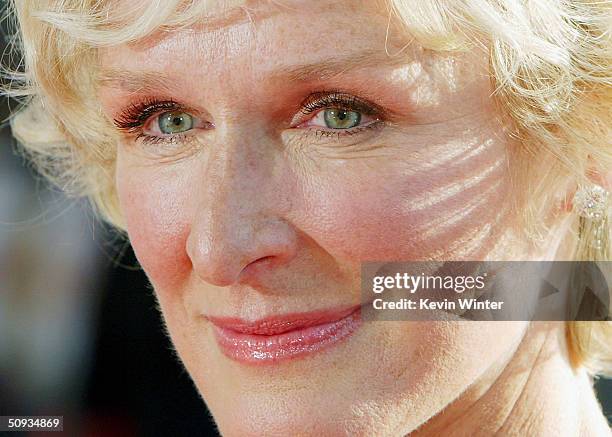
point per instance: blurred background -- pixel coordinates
(80, 335)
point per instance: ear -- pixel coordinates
(601, 177)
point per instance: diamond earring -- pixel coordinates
(592, 204)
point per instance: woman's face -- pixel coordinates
(264, 157)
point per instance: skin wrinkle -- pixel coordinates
(475, 397)
(213, 20)
(456, 152)
(521, 393)
(431, 198)
(475, 207)
(267, 219)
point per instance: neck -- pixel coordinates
(536, 392)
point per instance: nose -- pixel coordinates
(239, 232)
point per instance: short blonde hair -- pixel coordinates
(550, 61)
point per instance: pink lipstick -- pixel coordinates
(283, 337)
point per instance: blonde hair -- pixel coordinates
(550, 61)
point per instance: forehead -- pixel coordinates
(213, 14)
(277, 47)
(263, 28)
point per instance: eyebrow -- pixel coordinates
(330, 68)
(133, 82)
(145, 81)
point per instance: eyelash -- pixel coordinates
(337, 99)
(133, 118)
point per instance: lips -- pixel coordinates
(283, 337)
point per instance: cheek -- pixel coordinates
(442, 204)
(157, 214)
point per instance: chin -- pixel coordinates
(386, 379)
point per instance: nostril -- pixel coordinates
(257, 268)
(263, 259)
(258, 265)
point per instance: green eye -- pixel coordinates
(336, 118)
(175, 122)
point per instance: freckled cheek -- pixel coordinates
(398, 217)
(156, 210)
(367, 227)
(357, 225)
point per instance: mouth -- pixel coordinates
(284, 337)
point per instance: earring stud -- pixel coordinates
(591, 202)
